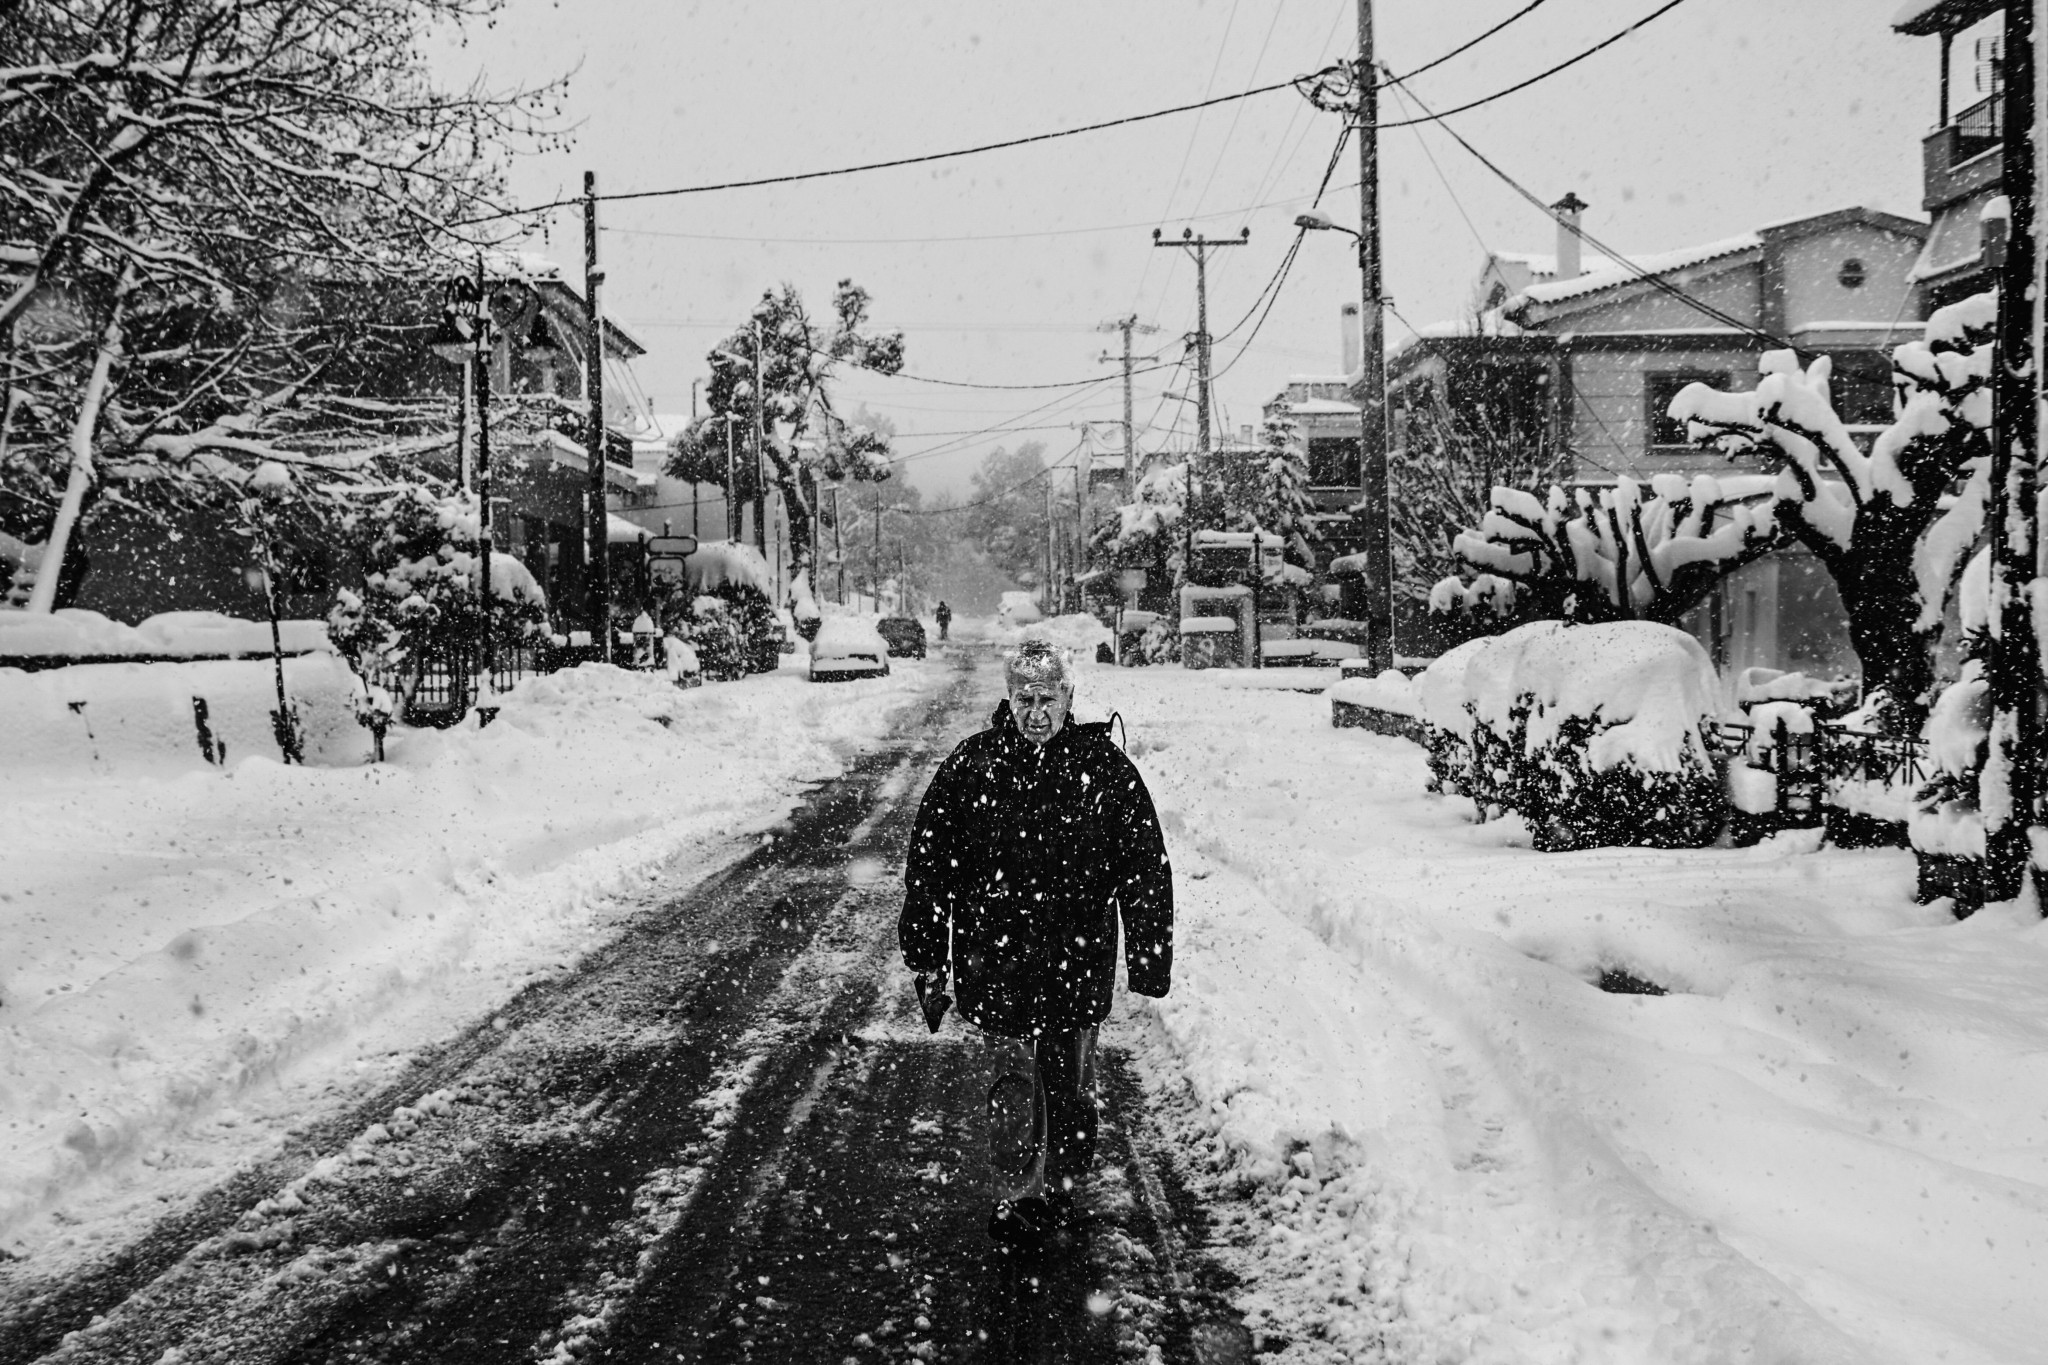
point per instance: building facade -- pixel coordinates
(1579, 366)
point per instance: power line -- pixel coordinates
(1539, 76)
(1465, 46)
(1456, 203)
(995, 497)
(966, 384)
(1652, 278)
(886, 165)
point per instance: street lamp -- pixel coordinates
(464, 337)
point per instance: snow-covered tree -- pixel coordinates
(808, 440)
(1274, 498)
(1612, 554)
(204, 209)
(1451, 461)
(1146, 533)
(1892, 526)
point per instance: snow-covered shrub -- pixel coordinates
(723, 606)
(1596, 735)
(419, 553)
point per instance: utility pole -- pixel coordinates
(875, 555)
(1127, 326)
(599, 548)
(1049, 611)
(2007, 789)
(760, 454)
(1372, 411)
(1199, 247)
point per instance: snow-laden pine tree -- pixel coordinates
(1611, 554)
(1892, 526)
(807, 439)
(1277, 500)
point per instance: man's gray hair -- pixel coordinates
(1038, 661)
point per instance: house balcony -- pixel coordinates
(1965, 155)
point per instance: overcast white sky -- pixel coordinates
(1720, 115)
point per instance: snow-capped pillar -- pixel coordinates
(2006, 790)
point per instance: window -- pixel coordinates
(1852, 274)
(1497, 295)
(1861, 386)
(1658, 391)
(1333, 461)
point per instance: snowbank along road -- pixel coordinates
(725, 1136)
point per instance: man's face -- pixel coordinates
(1039, 708)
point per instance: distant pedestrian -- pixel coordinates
(944, 616)
(1036, 836)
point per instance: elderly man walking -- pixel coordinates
(1036, 837)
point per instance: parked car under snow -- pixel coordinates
(904, 635)
(848, 647)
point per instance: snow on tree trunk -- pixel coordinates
(43, 597)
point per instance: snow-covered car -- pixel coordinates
(848, 647)
(903, 634)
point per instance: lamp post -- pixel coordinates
(1372, 441)
(464, 337)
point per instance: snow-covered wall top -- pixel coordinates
(72, 633)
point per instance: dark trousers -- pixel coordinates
(1041, 1112)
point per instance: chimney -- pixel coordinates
(1568, 210)
(1347, 324)
(1244, 437)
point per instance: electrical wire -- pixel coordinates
(1462, 47)
(1539, 76)
(1456, 202)
(1652, 278)
(966, 384)
(799, 176)
(1020, 485)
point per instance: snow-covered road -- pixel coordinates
(1825, 1144)
(1445, 1142)
(192, 959)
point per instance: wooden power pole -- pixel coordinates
(599, 547)
(1199, 248)
(2008, 789)
(1372, 409)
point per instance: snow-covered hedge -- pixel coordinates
(1594, 734)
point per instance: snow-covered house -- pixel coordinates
(1327, 415)
(1963, 158)
(1583, 363)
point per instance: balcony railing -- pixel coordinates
(1979, 128)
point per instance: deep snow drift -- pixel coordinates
(190, 955)
(1823, 1145)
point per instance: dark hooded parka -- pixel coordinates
(1029, 855)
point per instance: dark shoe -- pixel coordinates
(1020, 1224)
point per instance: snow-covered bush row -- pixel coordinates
(1595, 734)
(71, 632)
(139, 718)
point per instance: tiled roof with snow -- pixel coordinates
(1593, 281)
